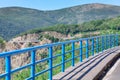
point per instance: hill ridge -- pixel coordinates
(14, 20)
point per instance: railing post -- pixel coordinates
(33, 64)
(97, 44)
(8, 67)
(117, 39)
(106, 42)
(50, 62)
(73, 53)
(113, 40)
(87, 48)
(93, 47)
(102, 43)
(81, 57)
(110, 41)
(63, 57)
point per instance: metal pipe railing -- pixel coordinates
(87, 47)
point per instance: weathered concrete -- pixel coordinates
(114, 73)
(90, 69)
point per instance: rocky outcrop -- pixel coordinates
(28, 41)
(20, 43)
(54, 34)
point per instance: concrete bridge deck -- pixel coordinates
(92, 68)
(114, 72)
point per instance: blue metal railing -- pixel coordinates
(87, 47)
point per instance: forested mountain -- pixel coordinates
(95, 25)
(14, 20)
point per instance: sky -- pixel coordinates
(52, 4)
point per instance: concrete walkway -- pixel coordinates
(114, 73)
(89, 69)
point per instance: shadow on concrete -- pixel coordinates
(90, 67)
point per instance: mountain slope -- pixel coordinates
(79, 14)
(14, 20)
(95, 25)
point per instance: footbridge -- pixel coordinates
(81, 59)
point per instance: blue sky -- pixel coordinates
(52, 4)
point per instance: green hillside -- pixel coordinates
(112, 24)
(15, 20)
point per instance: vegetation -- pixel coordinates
(109, 25)
(27, 19)
(1, 40)
(53, 39)
(42, 66)
(21, 75)
(2, 43)
(15, 20)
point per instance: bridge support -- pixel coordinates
(81, 56)
(50, 62)
(93, 47)
(73, 54)
(33, 65)
(8, 67)
(63, 57)
(87, 48)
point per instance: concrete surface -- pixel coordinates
(114, 72)
(90, 68)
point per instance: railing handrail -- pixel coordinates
(105, 41)
(14, 52)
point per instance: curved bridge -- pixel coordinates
(86, 58)
(91, 69)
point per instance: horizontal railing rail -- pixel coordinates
(85, 46)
